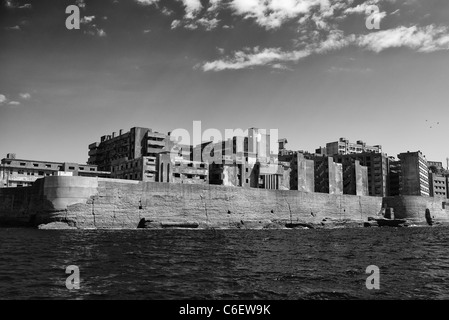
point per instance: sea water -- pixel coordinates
(413, 263)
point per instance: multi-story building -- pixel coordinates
(414, 174)
(438, 185)
(301, 171)
(22, 173)
(328, 175)
(343, 146)
(178, 169)
(395, 177)
(377, 168)
(143, 169)
(135, 143)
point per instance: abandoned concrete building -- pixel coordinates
(22, 173)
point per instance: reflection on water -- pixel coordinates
(225, 264)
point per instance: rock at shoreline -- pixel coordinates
(55, 226)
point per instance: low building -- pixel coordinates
(177, 169)
(343, 146)
(142, 169)
(22, 172)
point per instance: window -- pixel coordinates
(36, 164)
(20, 172)
(23, 164)
(48, 166)
(71, 168)
(40, 173)
(177, 175)
(82, 168)
(92, 169)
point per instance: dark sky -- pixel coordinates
(311, 69)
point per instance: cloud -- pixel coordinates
(2, 98)
(81, 4)
(196, 16)
(192, 7)
(175, 24)
(25, 96)
(146, 2)
(15, 28)
(271, 14)
(26, 6)
(422, 39)
(96, 32)
(255, 57)
(87, 19)
(14, 103)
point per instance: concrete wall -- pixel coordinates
(414, 207)
(109, 203)
(306, 174)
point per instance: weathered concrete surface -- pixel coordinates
(414, 207)
(108, 203)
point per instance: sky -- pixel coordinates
(316, 70)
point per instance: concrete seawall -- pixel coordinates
(109, 203)
(414, 207)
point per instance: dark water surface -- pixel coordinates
(225, 264)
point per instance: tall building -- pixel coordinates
(414, 174)
(343, 146)
(135, 143)
(395, 177)
(377, 169)
(22, 173)
(328, 176)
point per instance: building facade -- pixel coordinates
(136, 143)
(328, 175)
(438, 185)
(343, 146)
(22, 173)
(377, 165)
(414, 174)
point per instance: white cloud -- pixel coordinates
(146, 2)
(14, 103)
(422, 39)
(2, 98)
(80, 3)
(25, 96)
(15, 28)
(175, 24)
(101, 33)
(26, 6)
(255, 57)
(208, 24)
(87, 19)
(271, 14)
(192, 7)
